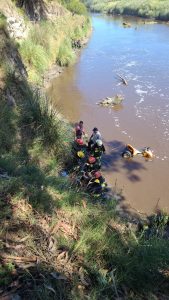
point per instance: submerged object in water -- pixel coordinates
(125, 24)
(111, 101)
(130, 151)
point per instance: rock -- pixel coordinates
(126, 24)
(11, 20)
(16, 27)
(111, 101)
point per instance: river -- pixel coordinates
(140, 54)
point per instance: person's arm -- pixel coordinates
(91, 137)
(103, 148)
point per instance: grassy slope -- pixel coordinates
(50, 42)
(74, 246)
(158, 9)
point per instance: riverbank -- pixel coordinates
(57, 241)
(152, 9)
(56, 70)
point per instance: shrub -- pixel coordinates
(75, 6)
(149, 9)
(65, 54)
(34, 56)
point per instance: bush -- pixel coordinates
(75, 6)
(34, 56)
(50, 42)
(148, 9)
(66, 55)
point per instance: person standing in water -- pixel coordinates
(94, 137)
(79, 130)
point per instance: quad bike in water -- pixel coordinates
(130, 151)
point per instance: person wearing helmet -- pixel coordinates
(91, 165)
(94, 137)
(77, 145)
(98, 149)
(98, 175)
(97, 184)
(78, 150)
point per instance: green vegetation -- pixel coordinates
(75, 6)
(158, 9)
(65, 54)
(50, 42)
(2, 21)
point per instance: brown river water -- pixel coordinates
(141, 54)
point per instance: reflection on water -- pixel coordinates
(140, 54)
(66, 95)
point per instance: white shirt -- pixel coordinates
(96, 136)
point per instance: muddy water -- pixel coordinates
(139, 53)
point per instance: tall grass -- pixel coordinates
(34, 56)
(65, 55)
(158, 9)
(115, 257)
(75, 6)
(50, 42)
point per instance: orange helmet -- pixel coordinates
(91, 159)
(79, 141)
(97, 174)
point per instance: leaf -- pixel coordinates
(49, 288)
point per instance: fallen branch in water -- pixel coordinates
(123, 80)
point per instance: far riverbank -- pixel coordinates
(157, 10)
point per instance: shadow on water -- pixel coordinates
(113, 161)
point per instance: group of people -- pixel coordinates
(87, 155)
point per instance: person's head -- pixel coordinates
(97, 174)
(91, 160)
(99, 143)
(95, 129)
(79, 142)
(81, 123)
